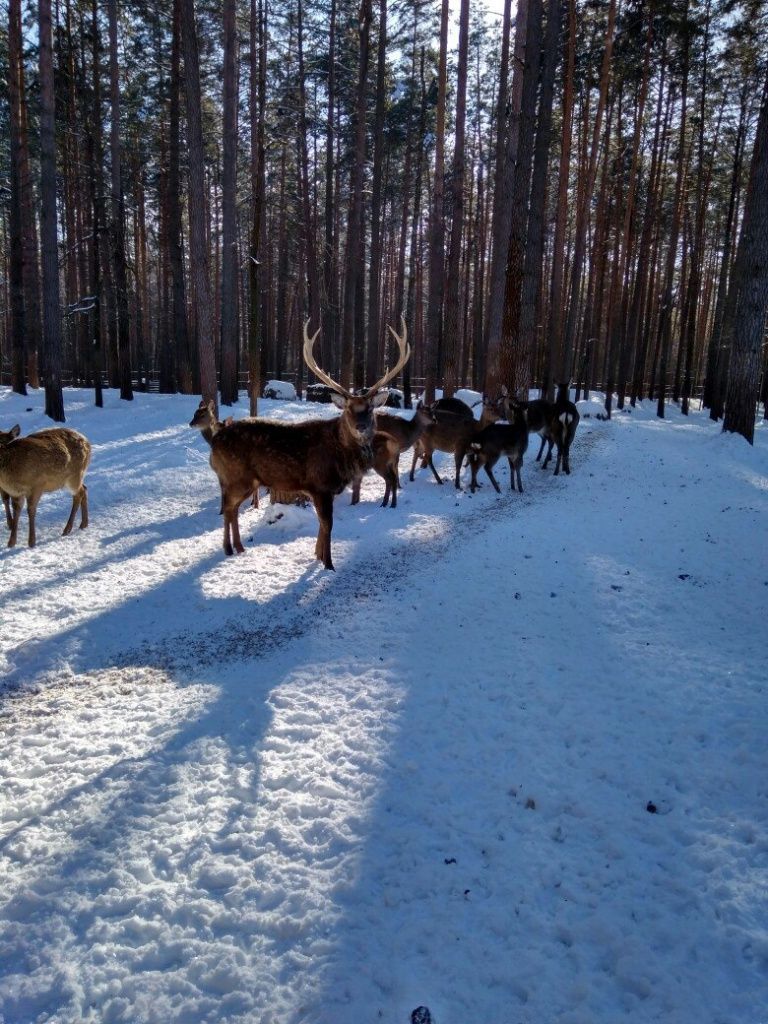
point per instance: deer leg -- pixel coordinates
(559, 461)
(356, 481)
(324, 507)
(76, 499)
(516, 467)
(430, 463)
(83, 507)
(7, 505)
(488, 466)
(511, 462)
(392, 484)
(32, 500)
(232, 540)
(567, 458)
(541, 448)
(549, 454)
(459, 460)
(415, 460)
(17, 505)
(474, 462)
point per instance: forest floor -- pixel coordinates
(507, 762)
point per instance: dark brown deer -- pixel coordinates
(563, 421)
(493, 441)
(555, 423)
(318, 458)
(406, 432)
(39, 464)
(452, 432)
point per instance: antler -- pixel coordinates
(309, 359)
(405, 355)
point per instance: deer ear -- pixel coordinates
(211, 406)
(338, 400)
(379, 398)
(15, 430)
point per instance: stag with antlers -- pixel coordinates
(318, 458)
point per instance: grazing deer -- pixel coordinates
(385, 452)
(452, 432)
(406, 432)
(39, 464)
(318, 458)
(493, 441)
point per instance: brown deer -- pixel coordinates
(385, 452)
(206, 422)
(39, 464)
(406, 432)
(453, 432)
(318, 458)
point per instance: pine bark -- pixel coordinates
(229, 260)
(198, 243)
(52, 354)
(750, 278)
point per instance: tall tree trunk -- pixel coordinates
(307, 219)
(714, 392)
(582, 213)
(452, 333)
(556, 291)
(620, 351)
(534, 248)
(665, 312)
(198, 246)
(353, 270)
(374, 279)
(257, 95)
(95, 184)
(54, 397)
(16, 254)
(229, 261)
(437, 224)
(119, 266)
(180, 329)
(515, 354)
(750, 277)
(507, 145)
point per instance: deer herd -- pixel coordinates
(315, 458)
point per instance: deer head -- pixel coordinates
(357, 410)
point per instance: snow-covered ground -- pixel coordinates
(508, 762)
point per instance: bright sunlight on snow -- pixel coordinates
(507, 762)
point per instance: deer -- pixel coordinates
(555, 422)
(563, 421)
(406, 432)
(493, 441)
(318, 458)
(385, 453)
(452, 432)
(206, 421)
(40, 463)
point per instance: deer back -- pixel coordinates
(43, 462)
(496, 439)
(406, 432)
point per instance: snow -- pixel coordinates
(250, 790)
(280, 389)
